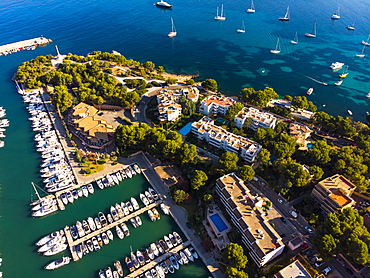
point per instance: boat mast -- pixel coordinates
(37, 193)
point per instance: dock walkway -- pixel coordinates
(71, 242)
(157, 260)
(16, 46)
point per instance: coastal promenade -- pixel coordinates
(15, 46)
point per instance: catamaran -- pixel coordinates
(277, 48)
(241, 30)
(251, 9)
(295, 40)
(220, 16)
(336, 15)
(313, 34)
(286, 17)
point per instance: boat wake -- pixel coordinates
(313, 79)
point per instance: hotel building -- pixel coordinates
(247, 215)
(259, 118)
(205, 129)
(334, 193)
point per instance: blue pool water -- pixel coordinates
(186, 129)
(218, 222)
(310, 145)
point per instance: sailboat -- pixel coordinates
(366, 43)
(336, 15)
(313, 34)
(173, 32)
(251, 9)
(286, 17)
(277, 48)
(344, 73)
(351, 27)
(361, 55)
(241, 30)
(221, 16)
(295, 41)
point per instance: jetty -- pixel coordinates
(158, 260)
(30, 44)
(72, 243)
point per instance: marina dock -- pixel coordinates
(157, 260)
(72, 243)
(23, 45)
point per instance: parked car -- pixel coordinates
(304, 246)
(308, 229)
(280, 201)
(326, 270)
(318, 263)
(293, 213)
(283, 219)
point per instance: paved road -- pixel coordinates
(179, 214)
(295, 225)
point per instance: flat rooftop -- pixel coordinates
(294, 270)
(339, 189)
(248, 209)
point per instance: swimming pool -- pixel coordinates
(310, 145)
(186, 129)
(218, 222)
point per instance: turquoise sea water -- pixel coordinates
(212, 49)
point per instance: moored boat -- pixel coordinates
(184, 258)
(144, 199)
(174, 262)
(129, 264)
(164, 209)
(193, 252)
(90, 188)
(110, 234)
(188, 254)
(140, 257)
(91, 223)
(105, 238)
(134, 203)
(125, 229)
(309, 91)
(118, 266)
(138, 220)
(119, 232)
(58, 263)
(56, 249)
(168, 242)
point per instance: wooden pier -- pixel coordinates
(71, 242)
(157, 260)
(21, 45)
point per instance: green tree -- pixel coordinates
(180, 196)
(62, 98)
(188, 154)
(233, 110)
(160, 69)
(171, 81)
(328, 245)
(316, 172)
(228, 162)
(264, 157)
(207, 197)
(149, 65)
(190, 82)
(246, 173)
(232, 272)
(320, 153)
(259, 98)
(199, 179)
(210, 84)
(234, 255)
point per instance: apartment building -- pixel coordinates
(246, 213)
(205, 129)
(259, 118)
(334, 193)
(215, 105)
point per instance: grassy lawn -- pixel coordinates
(94, 168)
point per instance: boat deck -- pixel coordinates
(157, 260)
(71, 242)
(23, 44)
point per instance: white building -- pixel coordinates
(259, 118)
(205, 129)
(215, 104)
(246, 213)
(168, 107)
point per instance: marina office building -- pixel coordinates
(247, 215)
(205, 129)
